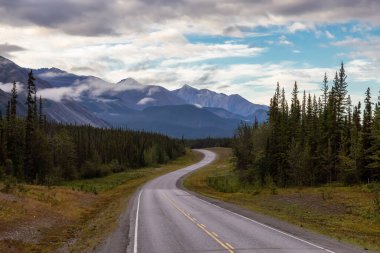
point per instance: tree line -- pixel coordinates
(315, 140)
(34, 150)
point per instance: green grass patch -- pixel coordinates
(75, 216)
(98, 185)
(350, 214)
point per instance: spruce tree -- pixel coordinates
(40, 114)
(29, 165)
(295, 113)
(8, 111)
(13, 105)
(366, 137)
(374, 164)
(325, 90)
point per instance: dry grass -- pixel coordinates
(42, 219)
(345, 213)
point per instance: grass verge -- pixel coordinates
(345, 213)
(73, 217)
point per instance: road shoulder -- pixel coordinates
(277, 224)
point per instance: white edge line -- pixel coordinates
(137, 223)
(269, 227)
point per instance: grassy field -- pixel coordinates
(350, 214)
(73, 217)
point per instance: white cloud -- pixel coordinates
(329, 35)
(282, 40)
(146, 100)
(147, 39)
(297, 26)
(58, 94)
(7, 87)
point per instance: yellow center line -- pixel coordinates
(201, 226)
(229, 245)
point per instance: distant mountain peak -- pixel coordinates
(186, 86)
(129, 81)
(5, 61)
(207, 98)
(52, 70)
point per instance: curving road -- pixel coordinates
(166, 219)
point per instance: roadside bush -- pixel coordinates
(8, 168)
(1, 173)
(375, 189)
(93, 170)
(10, 183)
(271, 185)
(116, 167)
(228, 183)
(326, 194)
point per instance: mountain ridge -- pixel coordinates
(91, 100)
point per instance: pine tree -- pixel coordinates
(374, 164)
(40, 114)
(13, 105)
(8, 111)
(295, 113)
(325, 90)
(340, 93)
(29, 165)
(366, 137)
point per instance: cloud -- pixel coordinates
(297, 26)
(150, 40)
(368, 47)
(146, 100)
(7, 49)
(329, 35)
(282, 40)
(114, 17)
(7, 87)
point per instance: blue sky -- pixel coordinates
(242, 47)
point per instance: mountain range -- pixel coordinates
(186, 112)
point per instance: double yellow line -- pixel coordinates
(213, 235)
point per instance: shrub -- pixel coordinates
(228, 183)
(116, 167)
(93, 170)
(10, 183)
(1, 173)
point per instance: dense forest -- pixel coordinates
(34, 150)
(315, 140)
(209, 142)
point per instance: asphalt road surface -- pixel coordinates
(166, 219)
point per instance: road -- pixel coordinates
(168, 219)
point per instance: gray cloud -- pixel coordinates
(99, 17)
(83, 17)
(222, 87)
(7, 49)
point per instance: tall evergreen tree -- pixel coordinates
(366, 136)
(295, 113)
(29, 165)
(374, 164)
(325, 90)
(40, 114)
(13, 105)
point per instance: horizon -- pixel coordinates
(173, 44)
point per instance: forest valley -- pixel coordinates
(34, 150)
(315, 141)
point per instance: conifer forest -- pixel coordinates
(35, 150)
(312, 140)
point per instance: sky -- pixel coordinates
(236, 47)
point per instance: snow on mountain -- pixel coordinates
(206, 98)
